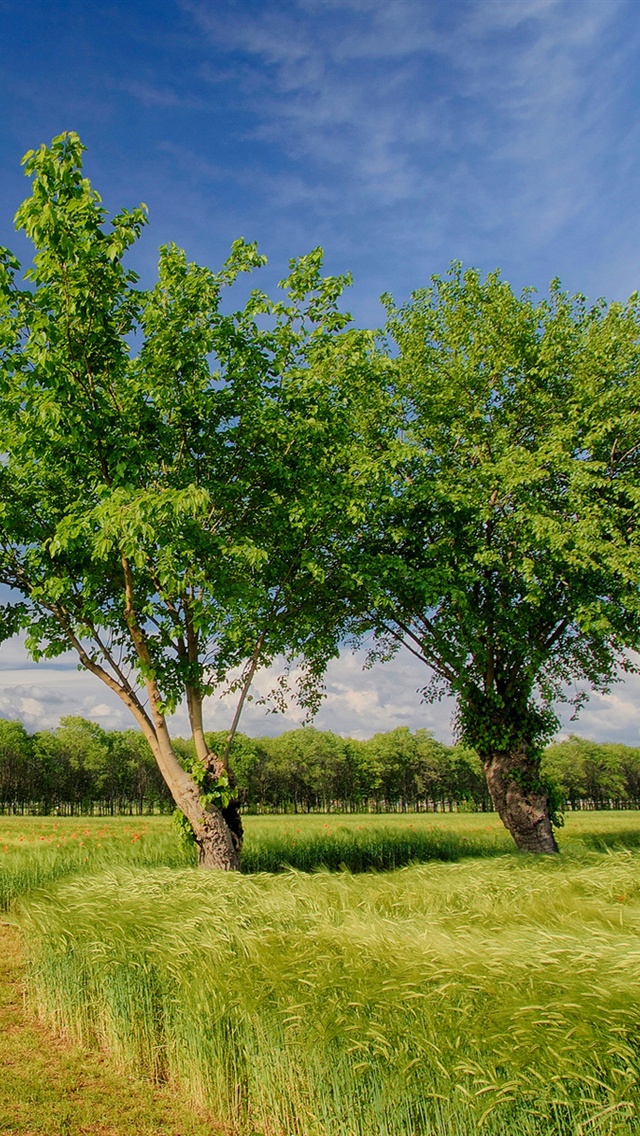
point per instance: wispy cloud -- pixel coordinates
(157, 97)
(310, 100)
(488, 122)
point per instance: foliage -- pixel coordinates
(82, 767)
(76, 766)
(219, 793)
(168, 513)
(594, 771)
(502, 549)
(252, 484)
(16, 757)
(176, 466)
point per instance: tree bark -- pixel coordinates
(523, 810)
(215, 850)
(219, 840)
(218, 847)
(194, 708)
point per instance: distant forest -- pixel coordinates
(79, 768)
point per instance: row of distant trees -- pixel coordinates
(82, 768)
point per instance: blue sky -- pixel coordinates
(398, 134)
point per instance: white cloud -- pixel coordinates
(40, 700)
(611, 717)
(358, 702)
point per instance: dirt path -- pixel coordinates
(49, 1087)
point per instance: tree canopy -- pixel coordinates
(502, 545)
(188, 492)
(174, 473)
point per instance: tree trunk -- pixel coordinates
(218, 838)
(219, 835)
(523, 810)
(219, 842)
(218, 847)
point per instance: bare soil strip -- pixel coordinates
(50, 1087)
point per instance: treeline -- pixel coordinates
(82, 768)
(599, 775)
(78, 768)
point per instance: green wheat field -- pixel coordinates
(364, 976)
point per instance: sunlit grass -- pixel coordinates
(497, 992)
(361, 842)
(365, 842)
(35, 851)
(51, 1088)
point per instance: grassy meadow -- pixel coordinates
(477, 991)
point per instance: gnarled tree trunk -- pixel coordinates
(219, 823)
(520, 801)
(218, 847)
(218, 836)
(218, 832)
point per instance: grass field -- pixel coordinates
(493, 993)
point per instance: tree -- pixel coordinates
(81, 748)
(168, 513)
(598, 772)
(307, 767)
(392, 760)
(16, 763)
(502, 546)
(132, 773)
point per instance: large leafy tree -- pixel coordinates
(174, 473)
(502, 546)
